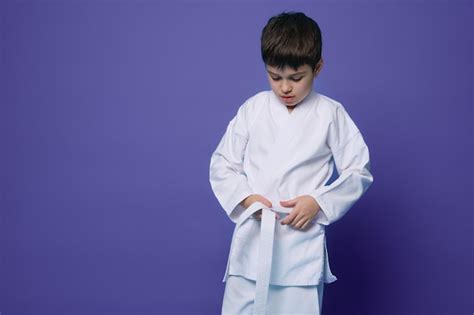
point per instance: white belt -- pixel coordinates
(267, 231)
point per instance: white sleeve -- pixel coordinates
(351, 157)
(226, 175)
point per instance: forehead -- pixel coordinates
(287, 71)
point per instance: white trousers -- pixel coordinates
(239, 295)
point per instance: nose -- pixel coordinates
(286, 87)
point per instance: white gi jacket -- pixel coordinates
(267, 150)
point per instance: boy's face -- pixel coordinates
(291, 86)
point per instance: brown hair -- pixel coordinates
(291, 39)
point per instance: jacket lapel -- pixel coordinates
(289, 127)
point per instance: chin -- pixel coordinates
(294, 103)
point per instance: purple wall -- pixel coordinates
(110, 111)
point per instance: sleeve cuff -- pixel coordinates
(234, 205)
(322, 215)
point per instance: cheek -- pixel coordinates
(307, 85)
(303, 89)
(273, 85)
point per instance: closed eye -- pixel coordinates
(293, 79)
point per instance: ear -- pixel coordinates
(318, 67)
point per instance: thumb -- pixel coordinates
(267, 203)
(288, 203)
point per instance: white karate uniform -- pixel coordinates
(281, 155)
(239, 298)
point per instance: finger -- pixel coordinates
(289, 219)
(306, 225)
(265, 201)
(288, 203)
(300, 222)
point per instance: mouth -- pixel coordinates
(287, 97)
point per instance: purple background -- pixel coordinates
(110, 111)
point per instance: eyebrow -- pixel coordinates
(301, 72)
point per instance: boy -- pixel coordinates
(269, 171)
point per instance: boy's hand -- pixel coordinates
(305, 209)
(254, 198)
